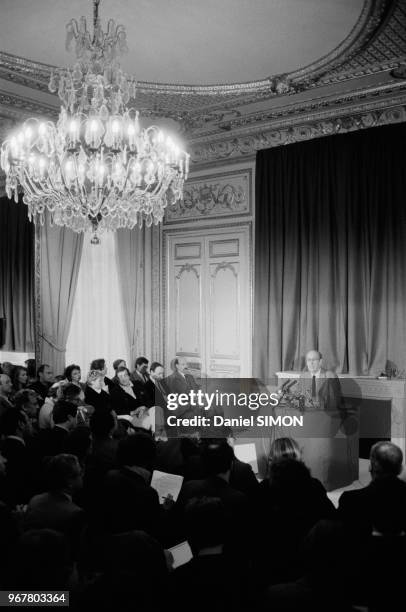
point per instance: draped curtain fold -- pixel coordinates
(60, 255)
(16, 277)
(330, 253)
(138, 263)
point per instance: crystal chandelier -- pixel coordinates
(95, 169)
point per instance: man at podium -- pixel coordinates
(319, 384)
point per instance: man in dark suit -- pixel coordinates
(217, 458)
(379, 507)
(143, 386)
(127, 501)
(181, 381)
(212, 580)
(51, 442)
(322, 385)
(45, 378)
(55, 509)
(16, 426)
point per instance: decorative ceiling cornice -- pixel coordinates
(375, 40)
(246, 142)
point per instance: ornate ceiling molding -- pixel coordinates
(217, 151)
(375, 41)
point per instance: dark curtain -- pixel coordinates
(16, 277)
(330, 253)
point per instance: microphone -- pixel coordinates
(290, 384)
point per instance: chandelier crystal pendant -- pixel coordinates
(96, 169)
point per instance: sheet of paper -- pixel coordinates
(248, 454)
(181, 554)
(166, 484)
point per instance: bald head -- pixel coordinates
(313, 361)
(386, 460)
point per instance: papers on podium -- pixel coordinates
(166, 484)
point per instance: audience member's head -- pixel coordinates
(27, 400)
(385, 460)
(31, 369)
(72, 393)
(7, 368)
(6, 385)
(63, 473)
(178, 364)
(205, 524)
(20, 378)
(123, 376)
(64, 414)
(156, 370)
(284, 448)
(99, 364)
(117, 363)
(141, 365)
(45, 374)
(95, 379)
(102, 424)
(16, 422)
(72, 373)
(289, 476)
(138, 450)
(42, 561)
(217, 457)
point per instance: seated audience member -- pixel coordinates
(102, 456)
(290, 502)
(73, 375)
(118, 363)
(95, 395)
(123, 397)
(45, 378)
(100, 365)
(127, 500)
(242, 477)
(134, 577)
(31, 370)
(6, 388)
(181, 381)
(52, 441)
(217, 459)
(381, 506)
(20, 378)
(7, 368)
(41, 561)
(75, 395)
(327, 563)
(16, 428)
(220, 582)
(27, 400)
(55, 508)
(141, 382)
(45, 420)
